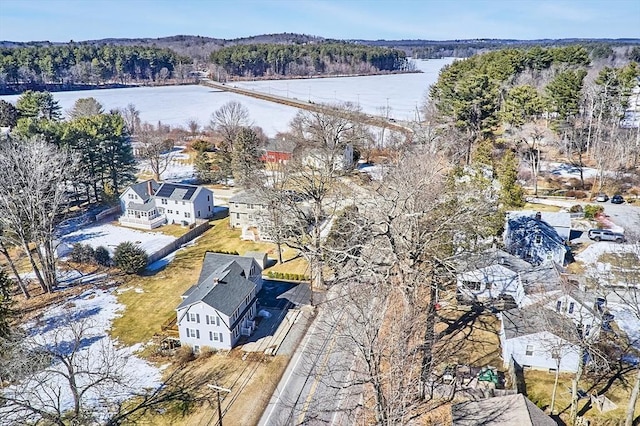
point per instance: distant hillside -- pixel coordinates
(199, 48)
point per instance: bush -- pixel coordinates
(184, 355)
(81, 253)
(591, 211)
(576, 208)
(130, 258)
(101, 256)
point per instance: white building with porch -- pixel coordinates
(149, 204)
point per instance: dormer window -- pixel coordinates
(538, 239)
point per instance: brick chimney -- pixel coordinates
(149, 188)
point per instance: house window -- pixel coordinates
(529, 350)
(187, 214)
(538, 239)
(473, 285)
(198, 213)
(209, 207)
(195, 317)
(183, 203)
(208, 198)
(170, 211)
(131, 196)
(237, 215)
(220, 337)
(214, 336)
(164, 201)
(196, 349)
(175, 201)
(571, 306)
(558, 305)
(192, 332)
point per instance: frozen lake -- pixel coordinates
(175, 105)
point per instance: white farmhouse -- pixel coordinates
(221, 306)
(538, 338)
(148, 205)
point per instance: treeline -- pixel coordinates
(86, 64)
(258, 60)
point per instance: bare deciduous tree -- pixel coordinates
(155, 147)
(32, 199)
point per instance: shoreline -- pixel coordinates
(10, 90)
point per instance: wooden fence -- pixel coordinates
(175, 245)
(108, 212)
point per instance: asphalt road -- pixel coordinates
(314, 388)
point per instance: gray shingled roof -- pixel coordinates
(506, 410)
(535, 319)
(140, 188)
(280, 145)
(224, 289)
(215, 261)
(141, 207)
(247, 197)
(492, 256)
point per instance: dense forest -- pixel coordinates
(72, 63)
(258, 60)
(541, 99)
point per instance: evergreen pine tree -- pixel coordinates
(245, 159)
(511, 193)
(202, 167)
(130, 258)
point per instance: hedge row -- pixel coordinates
(287, 276)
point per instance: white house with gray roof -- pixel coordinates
(538, 338)
(149, 204)
(221, 306)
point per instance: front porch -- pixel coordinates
(142, 222)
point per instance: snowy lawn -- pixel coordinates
(627, 321)
(57, 330)
(110, 236)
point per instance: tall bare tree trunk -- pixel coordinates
(21, 284)
(633, 400)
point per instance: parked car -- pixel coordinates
(602, 197)
(605, 235)
(617, 199)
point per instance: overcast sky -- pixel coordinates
(64, 20)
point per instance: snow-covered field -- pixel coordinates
(175, 105)
(110, 236)
(94, 309)
(402, 93)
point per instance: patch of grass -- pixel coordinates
(470, 338)
(540, 386)
(251, 382)
(541, 207)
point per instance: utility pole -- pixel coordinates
(219, 389)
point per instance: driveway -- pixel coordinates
(627, 216)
